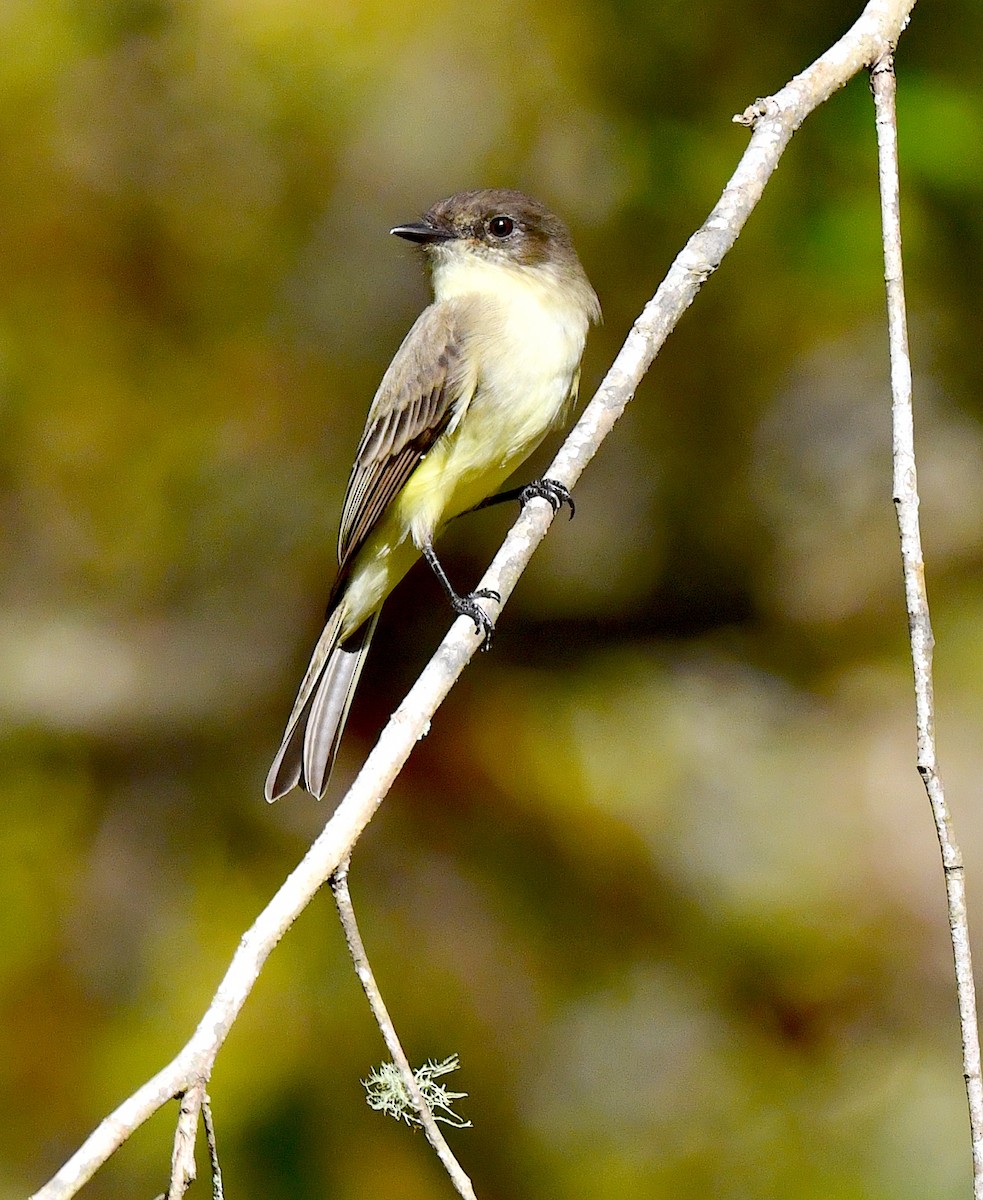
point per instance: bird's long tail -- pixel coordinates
(313, 733)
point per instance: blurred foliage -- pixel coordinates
(662, 874)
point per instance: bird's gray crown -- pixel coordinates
(499, 220)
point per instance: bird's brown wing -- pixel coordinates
(416, 399)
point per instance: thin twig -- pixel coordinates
(774, 120)
(356, 948)
(206, 1116)
(884, 87)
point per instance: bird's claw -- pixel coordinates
(468, 606)
(551, 490)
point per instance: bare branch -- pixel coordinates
(774, 121)
(884, 87)
(183, 1170)
(343, 900)
(206, 1116)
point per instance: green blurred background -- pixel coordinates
(662, 874)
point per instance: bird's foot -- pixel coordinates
(551, 490)
(468, 606)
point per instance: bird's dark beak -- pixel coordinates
(422, 233)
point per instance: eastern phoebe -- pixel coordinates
(484, 374)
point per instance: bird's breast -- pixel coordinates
(526, 351)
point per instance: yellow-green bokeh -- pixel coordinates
(662, 874)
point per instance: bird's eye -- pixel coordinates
(501, 227)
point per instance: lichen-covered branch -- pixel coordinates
(366, 977)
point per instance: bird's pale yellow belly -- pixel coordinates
(462, 469)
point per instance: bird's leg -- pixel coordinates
(551, 490)
(467, 606)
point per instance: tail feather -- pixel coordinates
(288, 766)
(329, 710)
(313, 735)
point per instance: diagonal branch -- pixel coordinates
(884, 87)
(366, 977)
(773, 122)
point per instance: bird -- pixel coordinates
(490, 366)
